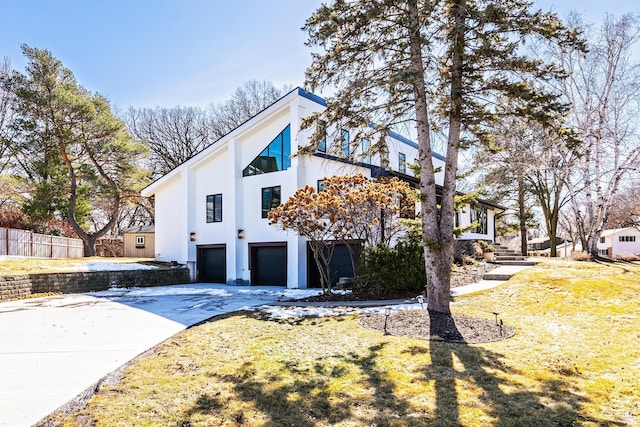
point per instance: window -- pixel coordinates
(276, 157)
(366, 151)
(402, 163)
(626, 238)
(322, 146)
(344, 144)
(479, 215)
(139, 241)
(321, 185)
(604, 252)
(603, 239)
(214, 208)
(270, 199)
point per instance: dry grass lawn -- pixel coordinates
(574, 361)
(11, 266)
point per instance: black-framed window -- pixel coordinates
(214, 208)
(321, 185)
(626, 238)
(366, 151)
(275, 157)
(271, 197)
(402, 163)
(322, 146)
(344, 143)
(479, 215)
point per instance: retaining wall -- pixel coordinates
(71, 283)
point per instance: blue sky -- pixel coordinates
(146, 53)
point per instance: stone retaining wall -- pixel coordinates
(70, 283)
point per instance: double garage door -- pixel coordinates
(268, 264)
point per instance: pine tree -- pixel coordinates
(77, 155)
(435, 65)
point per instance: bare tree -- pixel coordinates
(603, 91)
(6, 113)
(176, 134)
(173, 135)
(247, 101)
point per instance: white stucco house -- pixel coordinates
(619, 241)
(211, 210)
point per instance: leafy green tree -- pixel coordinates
(436, 65)
(78, 157)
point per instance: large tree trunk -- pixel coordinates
(522, 215)
(438, 252)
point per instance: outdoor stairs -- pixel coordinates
(509, 263)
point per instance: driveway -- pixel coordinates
(54, 348)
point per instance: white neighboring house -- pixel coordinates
(619, 241)
(211, 210)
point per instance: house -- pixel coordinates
(139, 242)
(619, 241)
(211, 211)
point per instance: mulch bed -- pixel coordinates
(456, 328)
(421, 324)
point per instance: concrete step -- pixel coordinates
(497, 276)
(504, 272)
(525, 263)
(509, 258)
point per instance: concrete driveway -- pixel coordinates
(54, 348)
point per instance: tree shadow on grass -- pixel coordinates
(457, 366)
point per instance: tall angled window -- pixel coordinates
(270, 199)
(214, 208)
(344, 143)
(322, 146)
(402, 163)
(276, 157)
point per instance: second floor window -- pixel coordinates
(214, 208)
(344, 143)
(402, 163)
(270, 199)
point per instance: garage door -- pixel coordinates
(212, 264)
(340, 265)
(269, 265)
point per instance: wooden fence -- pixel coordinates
(25, 243)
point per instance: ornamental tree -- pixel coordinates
(349, 209)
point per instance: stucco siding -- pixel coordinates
(171, 222)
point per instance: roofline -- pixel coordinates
(216, 142)
(304, 94)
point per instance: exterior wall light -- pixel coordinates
(241, 234)
(193, 237)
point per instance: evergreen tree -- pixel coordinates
(77, 155)
(437, 65)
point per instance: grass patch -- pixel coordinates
(15, 266)
(574, 361)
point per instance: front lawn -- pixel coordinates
(575, 360)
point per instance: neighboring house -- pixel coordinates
(139, 242)
(619, 241)
(542, 243)
(211, 211)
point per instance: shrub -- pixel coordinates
(386, 270)
(627, 257)
(486, 247)
(580, 256)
